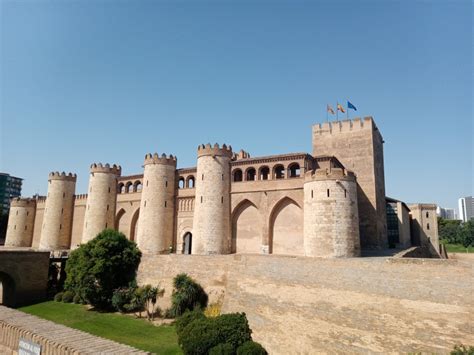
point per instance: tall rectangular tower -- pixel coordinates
(358, 145)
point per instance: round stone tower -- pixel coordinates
(331, 218)
(21, 222)
(211, 223)
(101, 200)
(58, 212)
(156, 222)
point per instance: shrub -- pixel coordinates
(233, 329)
(68, 296)
(463, 350)
(77, 299)
(251, 348)
(186, 318)
(201, 333)
(150, 296)
(187, 295)
(122, 297)
(199, 336)
(222, 349)
(58, 297)
(104, 264)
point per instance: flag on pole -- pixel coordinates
(351, 106)
(340, 108)
(330, 110)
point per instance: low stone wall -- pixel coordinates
(53, 338)
(306, 305)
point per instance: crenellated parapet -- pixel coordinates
(56, 175)
(160, 159)
(80, 197)
(106, 168)
(22, 202)
(215, 150)
(356, 124)
(330, 174)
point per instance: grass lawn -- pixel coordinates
(457, 248)
(123, 329)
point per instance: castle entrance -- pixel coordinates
(188, 243)
(7, 289)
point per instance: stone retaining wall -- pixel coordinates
(53, 338)
(298, 305)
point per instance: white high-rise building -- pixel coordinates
(466, 208)
(446, 213)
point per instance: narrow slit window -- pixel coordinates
(165, 203)
(222, 199)
(109, 190)
(327, 192)
(428, 226)
(201, 199)
(107, 207)
(144, 204)
(345, 193)
(166, 183)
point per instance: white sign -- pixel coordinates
(27, 347)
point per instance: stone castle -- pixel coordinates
(330, 203)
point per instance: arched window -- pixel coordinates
(121, 188)
(129, 187)
(137, 186)
(190, 182)
(264, 173)
(279, 172)
(181, 183)
(294, 170)
(237, 175)
(250, 174)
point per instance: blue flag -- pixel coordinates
(351, 106)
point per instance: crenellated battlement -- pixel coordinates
(215, 150)
(356, 124)
(163, 159)
(80, 197)
(56, 175)
(107, 168)
(22, 202)
(330, 174)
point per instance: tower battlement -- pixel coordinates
(330, 174)
(22, 202)
(56, 175)
(157, 159)
(107, 168)
(356, 124)
(215, 150)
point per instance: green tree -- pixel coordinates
(150, 295)
(187, 295)
(467, 234)
(449, 230)
(106, 263)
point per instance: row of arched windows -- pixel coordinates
(186, 183)
(277, 172)
(129, 187)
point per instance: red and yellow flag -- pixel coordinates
(340, 108)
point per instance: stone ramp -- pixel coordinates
(53, 338)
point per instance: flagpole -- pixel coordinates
(347, 109)
(337, 111)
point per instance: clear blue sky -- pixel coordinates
(108, 81)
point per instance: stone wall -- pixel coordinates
(307, 305)
(23, 275)
(53, 338)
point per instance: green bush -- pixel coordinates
(77, 299)
(199, 336)
(122, 297)
(201, 333)
(106, 263)
(251, 348)
(463, 350)
(68, 296)
(186, 318)
(187, 295)
(58, 297)
(233, 329)
(222, 349)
